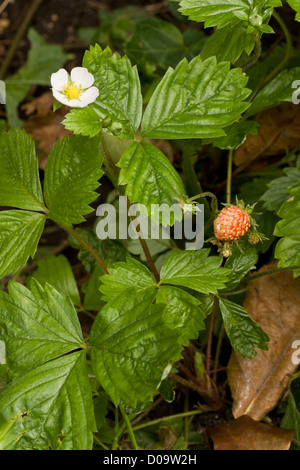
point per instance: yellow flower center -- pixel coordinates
(72, 91)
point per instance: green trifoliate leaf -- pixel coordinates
(150, 179)
(228, 12)
(228, 43)
(132, 346)
(20, 184)
(288, 247)
(183, 312)
(50, 407)
(124, 275)
(57, 271)
(295, 4)
(119, 104)
(20, 232)
(71, 176)
(196, 100)
(195, 270)
(243, 333)
(43, 59)
(278, 90)
(159, 44)
(240, 263)
(83, 121)
(37, 325)
(278, 193)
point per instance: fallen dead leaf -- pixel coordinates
(256, 385)
(39, 107)
(44, 125)
(246, 434)
(278, 132)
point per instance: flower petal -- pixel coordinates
(81, 76)
(89, 96)
(64, 100)
(60, 97)
(59, 79)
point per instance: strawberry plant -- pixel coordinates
(146, 304)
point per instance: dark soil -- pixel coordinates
(57, 21)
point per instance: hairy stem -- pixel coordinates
(267, 273)
(210, 335)
(100, 443)
(280, 66)
(87, 246)
(255, 56)
(229, 177)
(214, 207)
(146, 250)
(218, 351)
(129, 428)
(165, 419)
(113, 174)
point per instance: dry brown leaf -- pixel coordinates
(278, 132)
(40, 106)
(246, 434)
(45, 125)
(256, 385)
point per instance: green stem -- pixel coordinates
(255, 56)
(129, 427)
(209, 194)
(147, 253)
(186, 419)
(210, 336)
(267, 273)
(86, 312)
(87, 246)
(108, 171)
(288, 39)
(218, 351)
(214, 207)
(294, 377)
(115, 443)
(192, 184)
(229, 177)
(112, 170)
(100, 443)
(113, 174)
(165, 419)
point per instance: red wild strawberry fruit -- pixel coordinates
(231, 223)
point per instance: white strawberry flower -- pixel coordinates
(74, 90)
